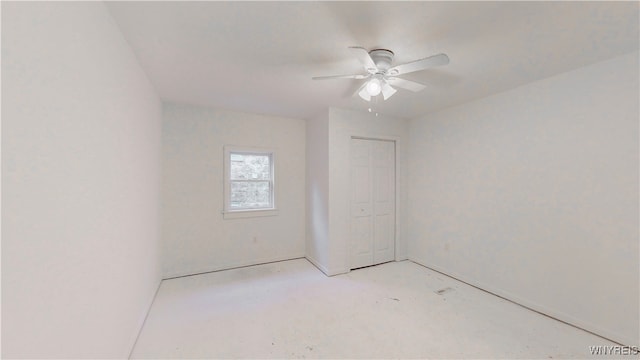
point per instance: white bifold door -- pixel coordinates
(373, 190)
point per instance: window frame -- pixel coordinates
(228, 212)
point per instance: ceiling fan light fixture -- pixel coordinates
(387, 90)
(364, 94)
(381, 76)
(374, 86)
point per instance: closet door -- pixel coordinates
(372, 202)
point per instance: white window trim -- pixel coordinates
(229, 213)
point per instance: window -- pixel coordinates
(249, 182)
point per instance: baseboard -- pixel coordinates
(229, 266)
(544, 310)
(141, 322)
(401, 258)
(339, 272)
(317, 264)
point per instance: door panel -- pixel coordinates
(361, 193)
(372, 202)
(382, 185)
(384, 201)
(361, 247)
(383, 233)
(362, 233)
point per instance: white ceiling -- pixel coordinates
(260, 56)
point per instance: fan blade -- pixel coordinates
(422, 64)
(363, 55)
(387, 91)
(356, 76)
(362, 92)
(405, 84)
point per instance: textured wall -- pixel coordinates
(533, 194)
(195, 236)
(80, 183)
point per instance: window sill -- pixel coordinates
(242, 214)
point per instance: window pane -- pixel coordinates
(250, 167)
(250, 194)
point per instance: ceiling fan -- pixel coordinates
(381, 76)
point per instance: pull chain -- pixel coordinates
(372, 108)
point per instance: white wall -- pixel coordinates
(195, 236)
(343, 124)
(317, 226)
(80, 183)
(533, 194)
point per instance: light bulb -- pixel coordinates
(374, 87)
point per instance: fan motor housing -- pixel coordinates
(382, 58)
